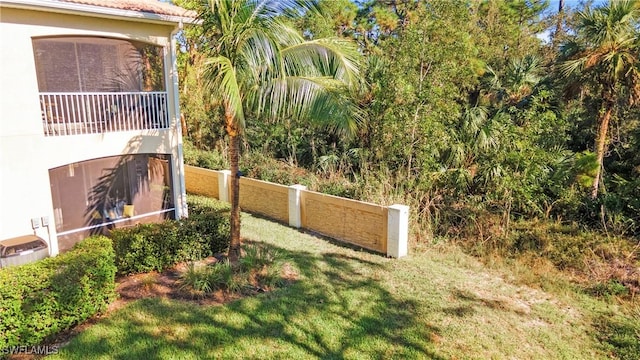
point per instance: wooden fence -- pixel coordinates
(374, 227)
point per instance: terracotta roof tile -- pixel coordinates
(147, 6)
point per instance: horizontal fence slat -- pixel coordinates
(352, 221)
(201, 181)
(265, 198)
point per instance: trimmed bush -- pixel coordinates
(156, 247)
(199, 204)
(41, 299)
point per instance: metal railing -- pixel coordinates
(100, 112)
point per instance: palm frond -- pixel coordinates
(330, 56)
(263, 65)
(223, 84)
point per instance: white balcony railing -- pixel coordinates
(100, 112)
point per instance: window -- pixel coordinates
(95, 195)
(92, 64)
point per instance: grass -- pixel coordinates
(437, 303)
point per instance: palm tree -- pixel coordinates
(520, 78)
(605, 55)
(260, 67)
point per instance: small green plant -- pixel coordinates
(272, 278)
(257, 257)
(259, 267)
(196, 279)
(237, 282)
(608, 289)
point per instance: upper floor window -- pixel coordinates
(93, 64)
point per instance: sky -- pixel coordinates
(573, 4)
(553, 4)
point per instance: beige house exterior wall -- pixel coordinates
(26, 155)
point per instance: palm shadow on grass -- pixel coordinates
(333, 311)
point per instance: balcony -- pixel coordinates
(66, 113)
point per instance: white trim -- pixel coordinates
(181, 193)
(92, 10)
(115, 221)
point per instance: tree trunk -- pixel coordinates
(560, 17)
(234, 245)
(234, 150)
(559, 30)
(600, 147)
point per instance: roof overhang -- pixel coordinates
(62, 7)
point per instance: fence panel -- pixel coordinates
(201, 181)
(265, 198)
(352, 221)
(356, 222)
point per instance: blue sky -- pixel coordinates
(553, 4)
(553, 7)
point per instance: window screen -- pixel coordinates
(90, 64)
(98, 194)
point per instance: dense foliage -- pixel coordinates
(41, 299)
(155, 247)
(477, 114)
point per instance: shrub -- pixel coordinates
(206, 159)
(260, 166)
(155, 247)
(203, 204)
(40, 299)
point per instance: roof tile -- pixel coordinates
(147, 6)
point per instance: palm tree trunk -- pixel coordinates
(234, 245)
(600, 147)
(234, 150)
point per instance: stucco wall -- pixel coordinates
(201, 181)
(26, 154)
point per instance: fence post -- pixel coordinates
(397, 230)
(295, 213)
(223, 185)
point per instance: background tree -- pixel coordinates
(604, 59)
(258, 66)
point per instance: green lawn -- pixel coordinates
(437, 303)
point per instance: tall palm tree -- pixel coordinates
(261, 67)
(605, 55)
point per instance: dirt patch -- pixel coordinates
(164, 285)
(167, 285)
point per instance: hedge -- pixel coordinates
(41, 299)
(156, 247)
